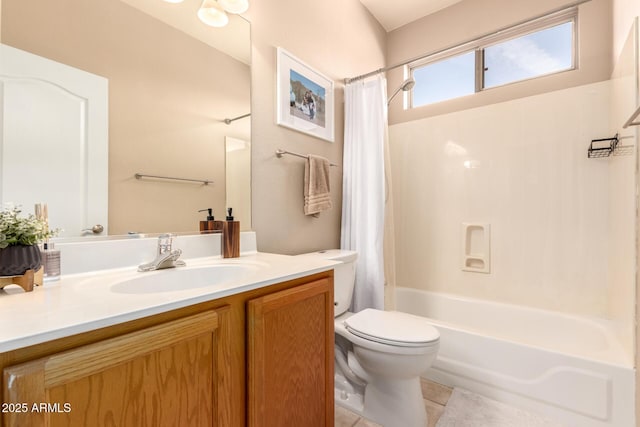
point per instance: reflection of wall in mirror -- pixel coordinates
(168, 95)
(238, 180)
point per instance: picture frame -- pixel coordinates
(305, 98)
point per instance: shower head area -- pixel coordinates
(406, 85)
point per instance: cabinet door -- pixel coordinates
(290, 357)
(173, 374)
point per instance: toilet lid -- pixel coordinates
(392, 327)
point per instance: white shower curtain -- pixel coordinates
(363, 187)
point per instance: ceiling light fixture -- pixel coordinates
(212, 14)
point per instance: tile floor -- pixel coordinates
(435, 398)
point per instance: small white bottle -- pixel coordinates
(50, 263)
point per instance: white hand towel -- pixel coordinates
(317, 197)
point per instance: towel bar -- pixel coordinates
(280, 153)
(202, 181)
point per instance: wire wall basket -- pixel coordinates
(603, 147)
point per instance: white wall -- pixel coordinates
(622, 193)
(548, 205)
(624, 11)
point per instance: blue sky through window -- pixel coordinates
(446, 79)
(535, 54)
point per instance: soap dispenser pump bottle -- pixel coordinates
(208, 225)
(231, 237)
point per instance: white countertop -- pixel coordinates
(83, 302)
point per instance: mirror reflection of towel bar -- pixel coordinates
(228, 121)
(280, 153)
(201, 181)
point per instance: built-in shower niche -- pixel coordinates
(476, 244)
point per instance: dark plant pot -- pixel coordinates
(16, 260)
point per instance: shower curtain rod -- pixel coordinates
(439, 51)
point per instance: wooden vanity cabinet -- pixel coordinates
(290, 357)
(163, 375)
(259, 358)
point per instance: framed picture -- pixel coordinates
(305, 98)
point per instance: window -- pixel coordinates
(537, 48)
(446, 79)
(536, 54)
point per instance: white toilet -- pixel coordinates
(379, 354)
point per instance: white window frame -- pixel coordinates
(478, 45)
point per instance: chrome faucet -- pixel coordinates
(165, 241)
(166, 256)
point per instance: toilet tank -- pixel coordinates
(344, 276)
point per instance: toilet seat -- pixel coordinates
(392, 328)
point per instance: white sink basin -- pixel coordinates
(182, 278)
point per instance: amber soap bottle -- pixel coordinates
(231, 236)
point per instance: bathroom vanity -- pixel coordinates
(254, 351)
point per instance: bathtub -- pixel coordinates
(567, 368)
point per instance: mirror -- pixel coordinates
(172, 81)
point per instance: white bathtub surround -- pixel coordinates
(567, 368)
(389, 236)
(363, 189)
(562, 225)
(467, 409)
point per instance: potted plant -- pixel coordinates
(19, 238)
